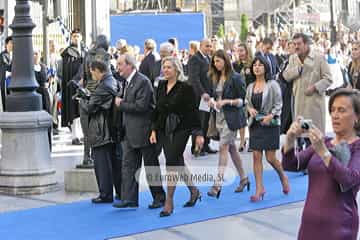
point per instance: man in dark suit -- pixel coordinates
(198, 67)
(137, 106)
(149, 58)
(267, 45)
(5, 66)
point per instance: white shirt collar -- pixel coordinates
(128, 79)
(202, 54)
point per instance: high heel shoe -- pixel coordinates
(193, 199)
(286, 186)
(257, 197)
(242, 147)
(214, 192)
(164, 213)
(243, 183)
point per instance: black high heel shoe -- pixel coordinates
(214, 192)
(243, 183)
(241, 148)
(193, 199)
(165, 213)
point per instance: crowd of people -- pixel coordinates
(129, 107)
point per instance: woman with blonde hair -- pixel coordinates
(354, 66)
(228, 91)
(242, 66)
(175, 119)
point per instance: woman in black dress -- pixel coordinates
(175, 119)
(264, 106)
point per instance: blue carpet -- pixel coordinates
(83, 220)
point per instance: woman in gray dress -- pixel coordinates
(228, 91)
(264, 106)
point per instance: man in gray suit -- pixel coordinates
(137, 105)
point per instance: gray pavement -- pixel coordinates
(280, 223)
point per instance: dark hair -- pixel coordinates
(264, 62)
(100, 65)
(267, 41)
(354, 96)
(306, 39)
(172, 41)
(213, 72)
(8, 39)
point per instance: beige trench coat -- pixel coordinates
(316, 72)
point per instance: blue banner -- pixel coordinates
(135, 28)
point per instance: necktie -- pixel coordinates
(270, 65)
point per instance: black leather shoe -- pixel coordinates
(101, 200)
(126, 204)
(117, 197)
(156, 204)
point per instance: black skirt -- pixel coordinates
(264, 137)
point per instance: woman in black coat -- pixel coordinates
(175, 119)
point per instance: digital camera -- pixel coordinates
(306, 124)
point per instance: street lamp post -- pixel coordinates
(25, 164)
(23, 84)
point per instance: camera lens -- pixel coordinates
(305, 126)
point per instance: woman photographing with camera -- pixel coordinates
(333, 164)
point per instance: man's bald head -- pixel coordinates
(205, 46)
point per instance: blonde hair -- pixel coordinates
(355, 65)
(175, 62)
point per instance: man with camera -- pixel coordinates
(99, 107)
(311, 76)
(98, 52)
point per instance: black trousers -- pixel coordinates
(107, 164)
(204, 120)
(131, 166)
(174, 147)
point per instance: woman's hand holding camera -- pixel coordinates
(294, 132)
(317, 141)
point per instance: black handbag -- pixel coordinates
(172, 122)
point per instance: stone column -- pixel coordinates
(25, 165)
